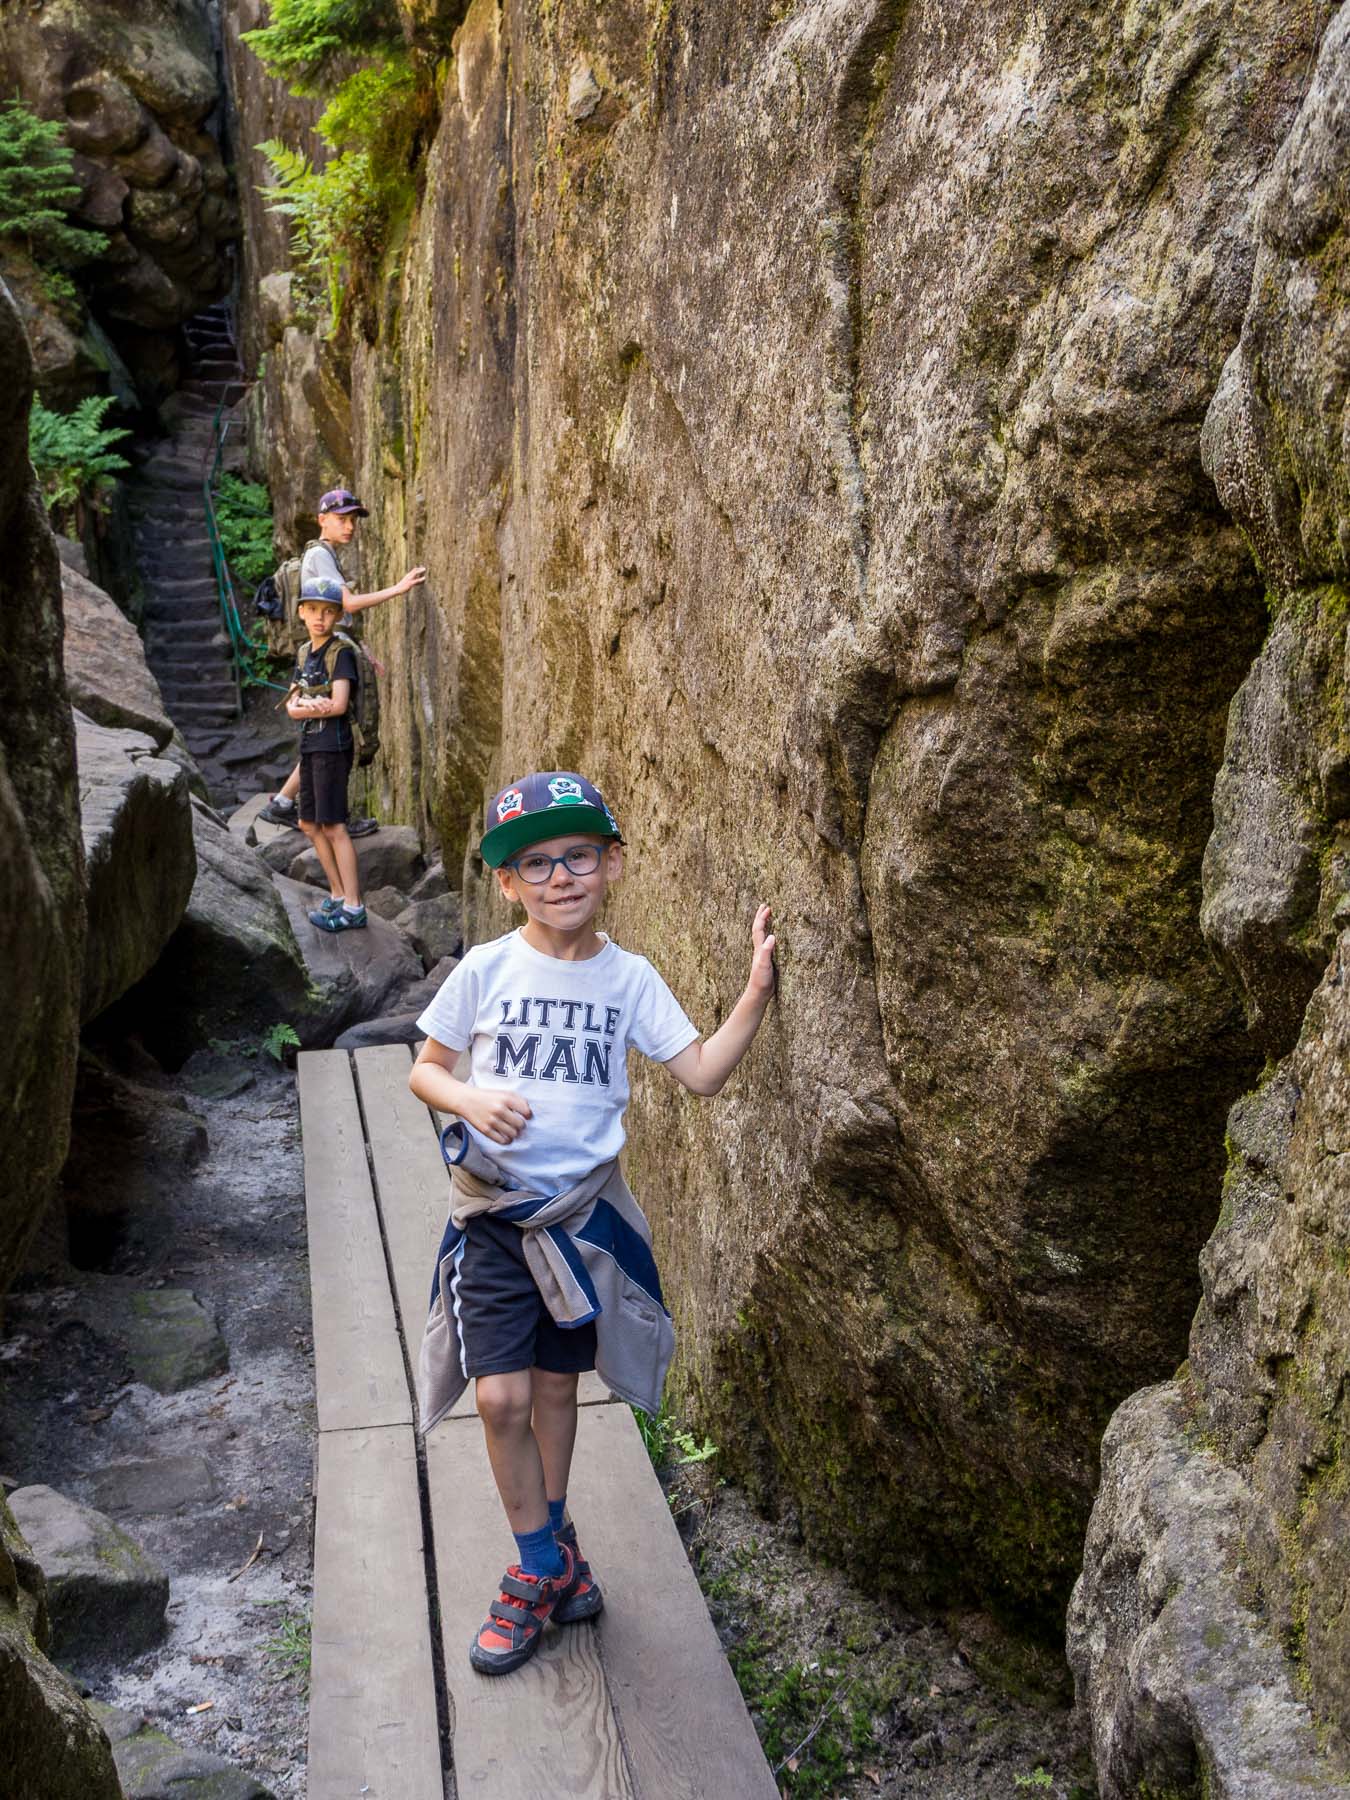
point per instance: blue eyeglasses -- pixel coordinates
(537, 868)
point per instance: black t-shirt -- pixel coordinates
(327, 734)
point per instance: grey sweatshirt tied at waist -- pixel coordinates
(589, 1251)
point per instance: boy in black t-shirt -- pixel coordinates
(322, 689)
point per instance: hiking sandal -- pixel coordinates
(583, 1600)
(510, 1634)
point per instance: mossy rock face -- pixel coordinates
(53, 1745)
(41, 889)
(804, 443)
(1211, 1627)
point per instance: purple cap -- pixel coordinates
(554, 803)
(339, 500)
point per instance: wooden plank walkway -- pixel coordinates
(640, 1705)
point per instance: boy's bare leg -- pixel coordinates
(555, 1426)
(290, 788)
(317, 837)
(343, 852)
(504, 1405)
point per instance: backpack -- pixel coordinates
(363, 709)
(286, 587)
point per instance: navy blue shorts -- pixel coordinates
(502, 1320)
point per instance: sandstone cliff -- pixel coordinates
(133, 83)
(799, 411)
(41, 870)
(1209, 1633)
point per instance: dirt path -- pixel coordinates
(232, 1229)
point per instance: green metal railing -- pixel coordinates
(244, 647)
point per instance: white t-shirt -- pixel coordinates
(557, 1033)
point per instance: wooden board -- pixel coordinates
(413, 1190)
(372, 1706)
(411, 1179)
(359, 1375)
(685, 1727)
(547, 1730)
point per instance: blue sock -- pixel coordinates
(539, 1552)
(556, 1509)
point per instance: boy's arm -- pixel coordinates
(321, 706)
(493, 1113)
(705, 1065)
(355, 603)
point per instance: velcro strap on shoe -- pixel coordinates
(506, 1614)
(533, 1591)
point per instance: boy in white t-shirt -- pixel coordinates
(548, 1013)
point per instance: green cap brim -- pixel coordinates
(507, 839)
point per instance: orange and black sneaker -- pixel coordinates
(583, 1600)
(510, 1634)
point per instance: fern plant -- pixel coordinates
(336, 219)
(73, 457)
(38, 189)
(244, 521)
(304, 40)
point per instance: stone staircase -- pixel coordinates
(185, 642)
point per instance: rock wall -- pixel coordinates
(1209, 1634)
(41, 871)
(799, 412)
(134, 84)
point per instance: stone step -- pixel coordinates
(187, 652)
(160, 606)
(190, 707)
(198, 595)
(178, 583)
(185, 631)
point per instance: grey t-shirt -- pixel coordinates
(319, 563)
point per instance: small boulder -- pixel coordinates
(105, 665)
(393, 1028)
(172, 1341)
(153, 1767)
(388, 902)
(140, 862)
(432, 885)
(433, 926)
(162, 1485)
(352, 975)
(233, 969)
(105, 1595)
(420, 995)
(389, 857)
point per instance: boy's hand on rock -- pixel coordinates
(763, 976)
(414, 578)
(500, 1117)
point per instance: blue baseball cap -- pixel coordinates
(322, 587)
(341, 500)
(554, 803)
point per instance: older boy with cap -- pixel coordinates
(339, 511)
(546, 1267)
(320, 695)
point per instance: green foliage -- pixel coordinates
(812, 1726)
(73, 457)
(1038, 1778)
(279, 1038)
(667, 1442)
(378, 115)
(291, 1646)
(244, 521)
(304, 40)
(337, 218)
(38, 188)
